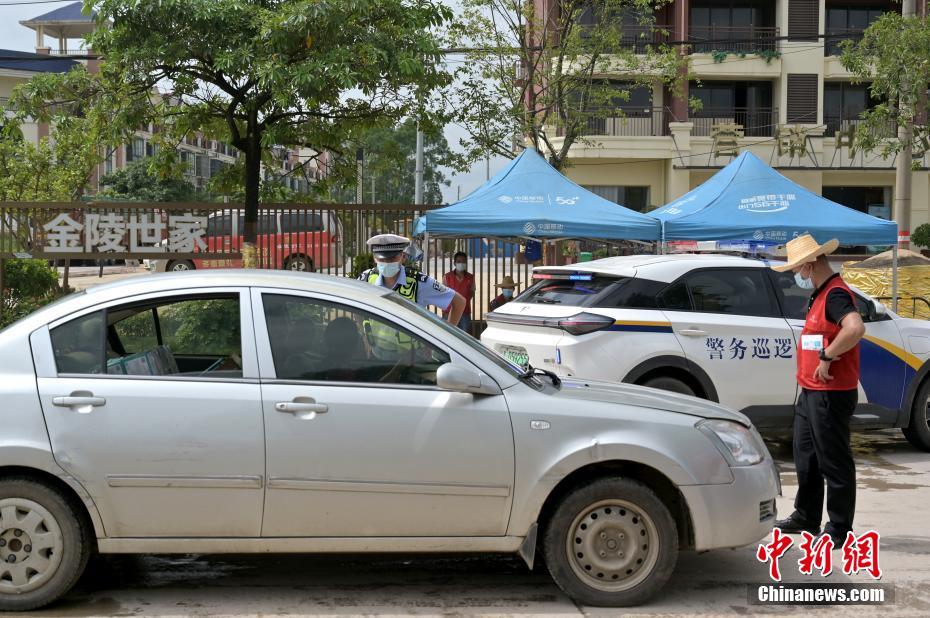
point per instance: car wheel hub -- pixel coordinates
(611, 545)
(30, 545)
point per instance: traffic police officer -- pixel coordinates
(389, 253)
(828, 374)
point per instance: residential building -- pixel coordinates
(764, 66)
(68, 26)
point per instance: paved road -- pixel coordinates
(894, 486)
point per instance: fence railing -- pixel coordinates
(70, 52)
(636, 37)
(834, 37)
(325, 238)
(735, 39)
(634, 122)
(836, 123)
(756, 121)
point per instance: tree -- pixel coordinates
(138, 181)
(538, 77)
(256, 73)
(390, 161)
(893, 58)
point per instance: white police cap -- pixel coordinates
(387, 245)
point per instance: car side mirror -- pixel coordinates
(877, 310)
(452, 377)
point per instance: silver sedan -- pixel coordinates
(255, 411)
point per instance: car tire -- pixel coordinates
(47, 540)
(611, 543)
(180, 266)
(666, 383)
(299, 263)
(917, 431)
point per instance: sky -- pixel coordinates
(17, 37)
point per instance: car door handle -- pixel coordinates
(692, 332)
(79, 401)
(297, 407)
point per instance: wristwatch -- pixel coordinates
(824, 357)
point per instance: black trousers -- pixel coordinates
(822, 452)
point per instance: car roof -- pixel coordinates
(664, 268)
(202, 281)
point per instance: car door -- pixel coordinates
(728, 323)
(360, 441)
(153, 403)
(883, 362)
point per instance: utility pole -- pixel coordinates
(359, 169)
(418, 189)
(902, 197)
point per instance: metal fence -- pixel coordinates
(325, 238)
(734, 39)
(756, 121)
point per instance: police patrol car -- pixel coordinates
(718, 327)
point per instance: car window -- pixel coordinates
(169, 337)
(562, 290)
(632, 293)
(219, 226)
(732, 291)
(793, 298)
(675, 297)
(301, 222)
(78, 345)
(317, 340)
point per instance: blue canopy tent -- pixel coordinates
(749, 201)
(531, 199)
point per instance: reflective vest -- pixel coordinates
(845, 370)
(387, 341)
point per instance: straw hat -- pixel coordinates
(805, 249)
(507, 282)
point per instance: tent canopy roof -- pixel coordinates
(530, 198)
(748, 200)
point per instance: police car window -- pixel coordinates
(731, 291)
(317, 340)
(632, 293)
(793, 298)
(561, 290)
(675, 297)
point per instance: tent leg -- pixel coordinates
(894, 278)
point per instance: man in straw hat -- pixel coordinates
(507, 287)
(828, 373)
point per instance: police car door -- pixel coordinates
(731, 327)
(885, 367)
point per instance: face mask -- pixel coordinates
(460, 267)
(388, 270)
(804, 283)
(507, 293)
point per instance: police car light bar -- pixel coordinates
(565, 277)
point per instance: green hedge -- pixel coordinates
(27, 285)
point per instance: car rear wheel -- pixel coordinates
(918, 430)
(43, 545)
(180, 266)
(611, 543)
(299, 263)
(667, 383)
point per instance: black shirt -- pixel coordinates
(839, 303)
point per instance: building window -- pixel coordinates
(843, 103)
(732, 25)
(848, 22)
(745, 103)
(634, 198)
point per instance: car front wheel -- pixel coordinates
(611, 543)
(673, 385)
(299, 263)
(180, 266)
(918, 430)
(43, 545)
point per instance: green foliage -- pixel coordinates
(557, 89)
(291, 72)
(719, 56)
(390, 158)
(768, 55)
(14, 308)
(139, 181)
(202, 327)
(921, 236)
(29, 278)
(361, 263)
(892, 57)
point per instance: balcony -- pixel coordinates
(756, 121)
(733, 39)
(638, 37)
(70, 52)
(643, 122)
(834, 37)
(836, 123)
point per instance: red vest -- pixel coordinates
(845, 370)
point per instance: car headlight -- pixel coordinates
(738, 444)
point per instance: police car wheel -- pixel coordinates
(918, 430)
(667, 383)
(611, 543)
(299, 263)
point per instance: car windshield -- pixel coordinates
(459, 334)
(562, 290)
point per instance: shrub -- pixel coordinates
(361, 263)
(29, 278)
(921, 236)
